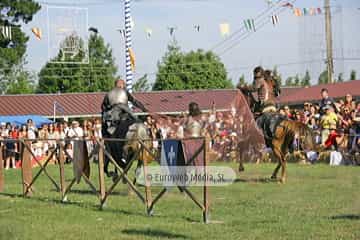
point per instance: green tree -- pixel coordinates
(289, 82)
(277, 76)
(193, 70)
(142, 85)
(242, 81)
(323, 78)
(340, 77)
(98, 75)
(306, 80)
(353, 75)
(13, 14)
(19, 81)
(297, 81)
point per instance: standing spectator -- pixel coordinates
(53, 135)
(4, 131)
(23, 132)
(325, 101)
(44, 136)
(349, 103)
(10, 150)
(31, 134)
(97, 129)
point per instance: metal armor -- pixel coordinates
(193, 128)
(117, 96)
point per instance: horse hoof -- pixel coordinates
(151, 213)
(282, 180)
(241, 169)
(273, 177)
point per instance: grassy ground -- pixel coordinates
(317, 202)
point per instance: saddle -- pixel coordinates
(268, 122)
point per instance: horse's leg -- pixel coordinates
(278, 154)
(240, 158)
(283, 170)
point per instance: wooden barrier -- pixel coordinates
(26, 167)
(2, 179)
(102, 193)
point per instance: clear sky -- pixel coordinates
(292, 40)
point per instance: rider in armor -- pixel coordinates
(117, 117)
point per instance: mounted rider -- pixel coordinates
(117, 117)
(263, 86)
(115, 108)
(267, 89)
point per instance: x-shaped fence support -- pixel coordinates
(203, 206)
(42, 168)
(123, 175)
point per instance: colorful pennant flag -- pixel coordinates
(312, 11)
(122, 32)
(197, 28)
(172, 30)
(298, 12)
(224, 29)
(289, 5)
(37, 32)
(319, 10)
(269, 2)
(250, 24)
(275, 19)
(132, 58)
(305, 11)
(6, 32)
(148, 32)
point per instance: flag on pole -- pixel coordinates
(275, 19)
(37, 32)
(224, 29)
(59, 108)
(132, 59)
(250, 24)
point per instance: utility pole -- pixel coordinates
(329, 47)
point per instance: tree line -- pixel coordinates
(177, 70)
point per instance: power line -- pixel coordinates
(243, 27)
(248, 34)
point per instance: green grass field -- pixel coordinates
(317, 202)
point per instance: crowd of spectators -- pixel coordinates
(336, 123)
(220, 131)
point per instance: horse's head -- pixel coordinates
(250, 99)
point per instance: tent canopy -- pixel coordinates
(21, 119)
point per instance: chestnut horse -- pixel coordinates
(279, 134)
